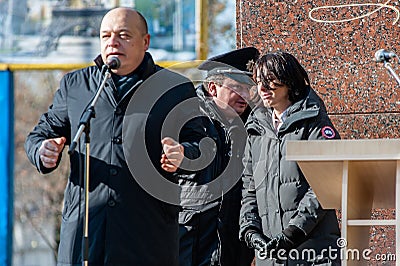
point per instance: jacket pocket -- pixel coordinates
(71, 202)
(261, 197)
(259, 173)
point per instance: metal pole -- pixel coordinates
(202, 29)
(84, 126)
(388, 66)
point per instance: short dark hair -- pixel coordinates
(284, 67)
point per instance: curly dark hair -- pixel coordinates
(285, 68)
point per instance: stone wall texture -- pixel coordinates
(336, 42)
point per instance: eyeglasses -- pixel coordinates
(236, 88)
(242, 90)
(270, 84)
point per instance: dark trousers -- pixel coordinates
(198, 239)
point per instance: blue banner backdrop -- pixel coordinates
(6, 165)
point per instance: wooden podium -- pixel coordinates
(355, 176)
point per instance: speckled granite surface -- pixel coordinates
(336, 42)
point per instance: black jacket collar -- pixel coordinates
(145, 69)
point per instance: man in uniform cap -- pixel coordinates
(209, 220)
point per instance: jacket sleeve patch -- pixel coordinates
(328, 132)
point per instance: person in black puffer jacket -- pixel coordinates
(281, 216)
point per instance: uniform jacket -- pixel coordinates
(226, 168)
(127, 225)
(276, 193)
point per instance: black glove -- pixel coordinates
(289, 238)
(256, 240)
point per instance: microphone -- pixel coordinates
(113, 63)
(384, 55)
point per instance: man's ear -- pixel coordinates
(146, 40)
(212, 89)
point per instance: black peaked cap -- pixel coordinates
(236, 64)
(238, 59)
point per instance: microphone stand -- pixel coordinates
(84, 127)
(388, 66)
